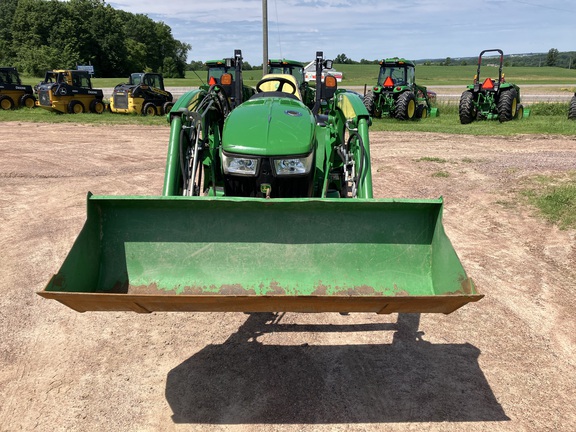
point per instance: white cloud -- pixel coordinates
(364, 28)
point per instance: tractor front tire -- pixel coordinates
(507, 105)
(466, 108)
(572, 108)
(6, 103)
(405, 108)
(75, 107)
(421, 111)
(369, 102)
(149, 109)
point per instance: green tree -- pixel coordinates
(6, 19)
(342, 59)
(552, 57)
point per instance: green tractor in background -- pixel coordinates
(14, 94)
(265, 208)
(397, 95)
(226, 74)
(492, 98)
(572, 108)
(296, 69)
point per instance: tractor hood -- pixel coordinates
(269, 126)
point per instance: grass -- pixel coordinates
(37, 115)
(555, 199)
(431, 159)
(441, 174)
(358, 75)
(545, 118)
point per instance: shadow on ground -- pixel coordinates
(245, 382)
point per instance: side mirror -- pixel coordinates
(328, 64)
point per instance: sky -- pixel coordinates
(363, 29)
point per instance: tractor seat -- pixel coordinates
(272, 87)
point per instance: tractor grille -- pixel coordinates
(121, 101)
(44, 97)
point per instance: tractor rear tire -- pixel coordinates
(27, 101)
(75, 107)
(466, 108)
(149, 109)
(507, 105)
(369, 102)
(405, 108)
(572, 108)
(6, 103)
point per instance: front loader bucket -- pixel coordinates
(149, 254)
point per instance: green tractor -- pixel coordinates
(143, 94)
(397, 95)
(296, 69)
(232, 84)
(572, 108)
(14, 94)
(492, 98)
(265, 208)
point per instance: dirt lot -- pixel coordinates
(506, 363)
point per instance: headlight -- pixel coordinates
(293, 166)
(239, 165)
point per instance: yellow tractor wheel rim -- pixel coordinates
(411, 109)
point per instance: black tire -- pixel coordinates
(405, 108)
(507, 105)
(97, 106)
(75, 107)
(167, 107)
(369, 102)
(519, 112)
(466, 108)
(421, 111)
(6, 103)
(28, 101)
(572, 108)
(149, 109)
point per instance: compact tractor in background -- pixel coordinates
(143, 94)
(265, 208)
(491, 99)
(14, 94)
(397, 95)
(572, 108)
(296, 69)
(227, 75)
(69, 91)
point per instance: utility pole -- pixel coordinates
(265, 35)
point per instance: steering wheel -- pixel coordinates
(281, 82)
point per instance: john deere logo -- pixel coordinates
(293, 113)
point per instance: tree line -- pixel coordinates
(41, 35)
(553, 58)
